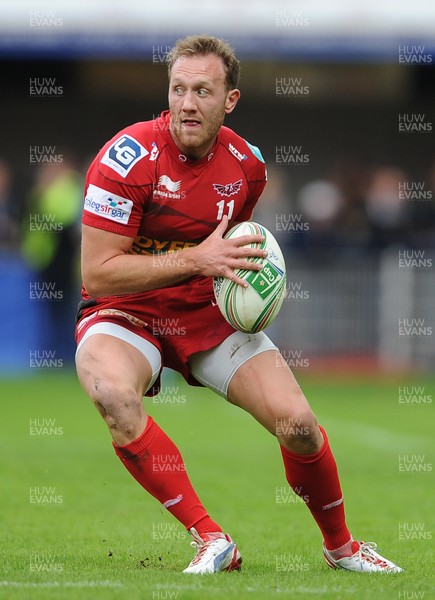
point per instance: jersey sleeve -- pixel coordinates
(257, 178)
(118, 184)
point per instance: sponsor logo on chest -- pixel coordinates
(169, 189)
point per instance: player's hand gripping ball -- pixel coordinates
(253, 308)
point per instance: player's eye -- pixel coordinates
(178, 90)
(202, 92)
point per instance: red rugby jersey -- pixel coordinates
(140, 185)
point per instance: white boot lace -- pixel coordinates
(202, 548)
(367, 552)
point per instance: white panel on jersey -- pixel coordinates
(123, 154)
(105, 204)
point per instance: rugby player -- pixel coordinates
(159, 197)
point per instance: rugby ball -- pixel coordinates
(253, 308)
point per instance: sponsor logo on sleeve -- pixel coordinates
(237, 153)
(123, 154)
(228, 189)
(105, 204)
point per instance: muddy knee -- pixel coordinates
(298, 432)
(119, 404)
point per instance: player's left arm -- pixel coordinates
(255, 190)
(255, 173)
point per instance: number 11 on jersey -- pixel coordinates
(221, 207)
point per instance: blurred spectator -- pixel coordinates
(421, 208)
(275, 203)
(320, 203)
(350, 175)
(50, 244)
(8, 209)
(386, 211)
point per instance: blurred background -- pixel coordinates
(340, 98)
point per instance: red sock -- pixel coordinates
(156, 463)
(314, 477)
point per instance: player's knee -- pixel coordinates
(119, 404)
(298, 431)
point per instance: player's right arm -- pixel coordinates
(108, 269)
(118, 185)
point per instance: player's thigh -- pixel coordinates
(265, 387)
(249, 371)
(109, 367)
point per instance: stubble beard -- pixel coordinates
(190, 144)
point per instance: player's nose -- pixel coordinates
(189, 101)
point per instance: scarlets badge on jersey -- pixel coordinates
(123, 154)
(105, 204)
(228, 189)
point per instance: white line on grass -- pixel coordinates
(380, 438)
(59, 584)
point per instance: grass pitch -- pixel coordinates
(75, 525)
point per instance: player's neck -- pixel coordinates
(195, 154)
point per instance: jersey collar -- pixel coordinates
(175, 151)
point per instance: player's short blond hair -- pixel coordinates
(201, 45)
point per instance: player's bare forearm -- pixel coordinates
(131, 274)
(108, 269)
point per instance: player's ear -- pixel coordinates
(231, 100)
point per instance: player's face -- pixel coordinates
(198, 101)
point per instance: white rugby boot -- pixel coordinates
(363, 559)
(216, 552)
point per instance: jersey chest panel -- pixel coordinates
(192, 200)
